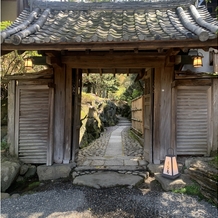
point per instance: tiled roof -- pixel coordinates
(57, 23)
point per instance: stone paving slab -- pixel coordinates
(113, 168)
(107, 179)
(113, 162)
(130, 163)
(98, 162)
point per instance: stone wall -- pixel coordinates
(205, 173)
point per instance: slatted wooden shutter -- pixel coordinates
(192, 120)
(32, 123)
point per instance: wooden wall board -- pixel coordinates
(11, 116)
(214, 116)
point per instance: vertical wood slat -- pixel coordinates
(137, 115)
(173, 120)
(215, 115)
(59, 120)
(193, 120)
(68, 116)
(31, 126)
(50, 148)
(11, 116)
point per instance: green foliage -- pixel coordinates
(190, 190)
(5, 24)
(214, 162)
(101, 85)
(4, 145)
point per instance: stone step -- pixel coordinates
(108, 179)
(111, 168)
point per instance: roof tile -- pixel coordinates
(111, 23)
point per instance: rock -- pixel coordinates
(155, 168)
(205, 174)
(15, 196)
(74, 174)
(19, 179)
(9, 172)
(107, 179)
(55, 171)
(23, 169)
(4, 196)
(31, 172)
(169, 185)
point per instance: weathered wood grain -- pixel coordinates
(11, 116)
(59, 113)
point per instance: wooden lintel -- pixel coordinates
(172, 51)
(113, 61)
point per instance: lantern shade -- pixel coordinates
(28, 63)
(170, 169)
(197, 62)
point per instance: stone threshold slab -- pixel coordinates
(112, 168)
(107, 179)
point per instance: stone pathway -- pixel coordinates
(114, 148)
(116, 158)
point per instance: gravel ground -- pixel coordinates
(62, 199)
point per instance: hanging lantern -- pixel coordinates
(28, 63)
(170, 169)
(197, 60)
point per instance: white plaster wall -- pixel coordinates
(206, 62)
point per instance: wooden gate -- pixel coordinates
(32, 123)
(193, 120)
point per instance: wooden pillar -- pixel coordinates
(77, 91)
(156, 123)
(59, 118)
(11, 116)
(68, 116)
(165, 110)
(162, 112)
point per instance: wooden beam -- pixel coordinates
(146, 45)
(170, 56)
(113, 61)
